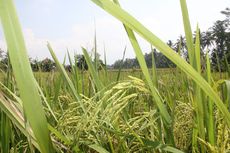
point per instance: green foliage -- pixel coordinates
(160, 60)
(84, 107)
(32, 103)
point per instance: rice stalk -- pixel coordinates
(32, 103)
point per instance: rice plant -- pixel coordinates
(185, 110)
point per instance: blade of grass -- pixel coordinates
(188, 31)
(200, 114)
(5, 133)
(73, 71)
(197, 50)
(57, 88)
(227, 94)
(119, 71)
(95, 49)
(46, 102)
(154, 70)
(106, 70)
(16, 117)
(32, 103)
(211, 130)
(227, 65)
(66, 77)
(77, 75)
(93, 72)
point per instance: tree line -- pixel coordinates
(48, 65)
(215, 42)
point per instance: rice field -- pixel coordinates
(183, 109)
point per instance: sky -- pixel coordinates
(71, 24)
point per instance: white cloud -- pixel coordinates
(36, 46)
(110, 34)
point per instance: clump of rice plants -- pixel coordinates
(97, 111)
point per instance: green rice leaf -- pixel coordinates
(66, 77)
(227, 65)
(32, 103)
(14, 114)
(154, 69)
(188, 31)
(211, 129)
(92, 70)
(119, 71)
(197, 50)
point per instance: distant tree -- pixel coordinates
(47, 65)
(226, 12)
(161, 61)
(34, 64)
(221, 44)
(181, 42)
(117, 64)
(81, 62)
(130, 63)
(206, 40)
(148, 59)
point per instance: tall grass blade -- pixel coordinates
(74, 71)
(93, 72)
(121, 64)
(66, 77)
(32, 103)
(188, 31)
(154, 69)
(13, 112)
(95, 49)
(227, 94)
(46, 102)
(227, 65)
(106, 69)
(199, 106)
(197, 50)
(210, 127)
(5, 133)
